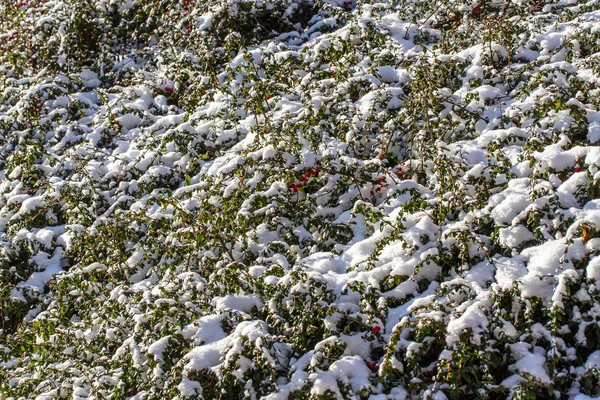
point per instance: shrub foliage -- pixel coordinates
(287, 199)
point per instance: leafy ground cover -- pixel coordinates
(290, 199)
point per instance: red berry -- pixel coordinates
(371, 364)
(375, 330)
(576, 168)
(477, 10)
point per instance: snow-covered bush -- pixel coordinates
(285, 199)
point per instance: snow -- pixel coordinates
(593, 269)
(352, 370)
(89, 78)
(594, 127)
(31, 204)
(209, 329)
(508, 271)
(388, 74)
(239, 303)
(158, 348)
(511, 204)
(532, 363)
(514, 236)
(129, 121)
(210, 355)
(396, 314)
(473, 318)
(301, 211)
(187, 387)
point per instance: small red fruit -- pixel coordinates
(375, 330)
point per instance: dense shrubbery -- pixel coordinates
(286, 199)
